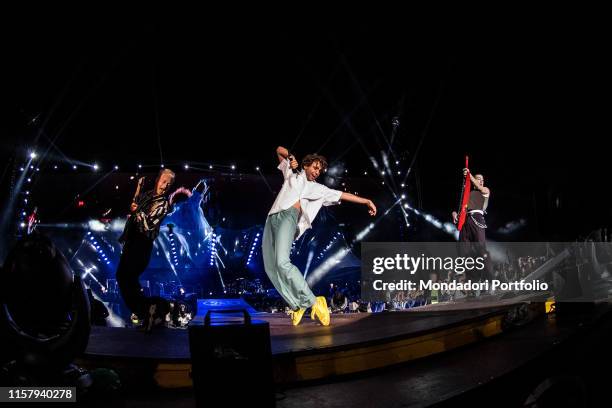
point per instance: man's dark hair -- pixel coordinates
(311, 158)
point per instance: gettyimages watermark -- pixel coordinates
(430, 272)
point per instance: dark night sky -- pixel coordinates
(522, 98)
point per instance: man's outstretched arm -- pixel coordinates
(359, 200)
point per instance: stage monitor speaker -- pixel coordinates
(231, 360)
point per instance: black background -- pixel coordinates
(524, 97)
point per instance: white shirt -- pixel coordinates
(312, 196)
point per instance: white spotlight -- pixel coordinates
(33, 155)
(96, 167)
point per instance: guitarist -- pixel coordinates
(147, 212)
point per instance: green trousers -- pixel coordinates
(278, 236)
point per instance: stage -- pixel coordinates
(502, 371)
(353, 343)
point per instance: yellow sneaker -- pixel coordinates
(320, 310)
(313, 308)
(296, 316)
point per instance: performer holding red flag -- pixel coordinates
(471, 222)
(474, 205)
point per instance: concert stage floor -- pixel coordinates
(500, 372)
(353, 343)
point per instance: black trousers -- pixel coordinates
(133, 262)
(472, 243)
(472, 232)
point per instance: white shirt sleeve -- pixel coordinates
(285, 169)
(331, 196)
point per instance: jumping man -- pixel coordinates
(292, 213)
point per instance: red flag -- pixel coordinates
(465, 197)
